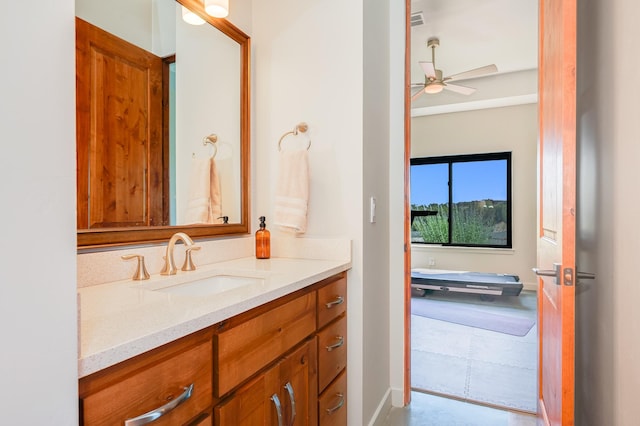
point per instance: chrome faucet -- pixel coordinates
(169, 262)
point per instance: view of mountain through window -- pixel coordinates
(462, 200)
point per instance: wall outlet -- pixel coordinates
(432, 261)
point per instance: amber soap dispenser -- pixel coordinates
(263, 241)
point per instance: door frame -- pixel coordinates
(407, 223)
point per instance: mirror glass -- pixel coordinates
(162, 122)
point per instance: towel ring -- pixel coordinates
(300, 127)
(211, 139)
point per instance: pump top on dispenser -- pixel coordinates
(263, 241)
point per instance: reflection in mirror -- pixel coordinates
(150, 91)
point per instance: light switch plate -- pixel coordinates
(372, 210)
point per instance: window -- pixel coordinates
(462, 200)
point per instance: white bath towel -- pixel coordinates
(205, 204)
(292, 191)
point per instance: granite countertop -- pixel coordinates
(122, 319)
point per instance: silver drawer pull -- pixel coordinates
(336, 345)
(338, 301)
(338, 405)
(292, 399)
(276, 402)
(160, 411)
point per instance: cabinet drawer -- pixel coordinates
(332, 351)
(332, 301)
(154, 387)
(332, 404)
(246, 348)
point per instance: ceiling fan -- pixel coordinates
(435, 83)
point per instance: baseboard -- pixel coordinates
(380, 415)
(530, 286)
(397, 397)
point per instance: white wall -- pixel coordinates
(375, 179)
(38, 360)
(308, 67)
(607, 315)
(207, 101)
(489, 130)
(131, 20)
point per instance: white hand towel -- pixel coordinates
(204, 205)
(215, 194)
(292, 191)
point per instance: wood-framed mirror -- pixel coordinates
(144, 109)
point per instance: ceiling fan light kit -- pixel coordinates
(433, 88)
(435, 83)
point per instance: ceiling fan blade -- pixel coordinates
(428, 69)
(488, 69)
(463, 90)
(417, 94)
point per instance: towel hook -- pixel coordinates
(300, 127)
(211, 139)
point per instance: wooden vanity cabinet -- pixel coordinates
(180, 370)
(332, 352)
(281, 363)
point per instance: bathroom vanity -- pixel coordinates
(272, 351)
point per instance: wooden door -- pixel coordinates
(557, 203)
(119, 132)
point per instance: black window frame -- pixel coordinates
(450, 160)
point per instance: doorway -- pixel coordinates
(448, 125)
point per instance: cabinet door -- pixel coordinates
(285, 392)
(299, 384)
(251, 404)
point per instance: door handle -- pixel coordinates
(568, 274)
(555, 272)
(585, 276)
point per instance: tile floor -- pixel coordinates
(474, 365)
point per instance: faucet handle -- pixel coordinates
(188, 262)
(141, 271)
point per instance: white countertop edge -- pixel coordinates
(106, 358)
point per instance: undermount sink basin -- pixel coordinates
(213, 285)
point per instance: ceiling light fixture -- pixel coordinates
(191, 18)
(432, 88)
(217, 8)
